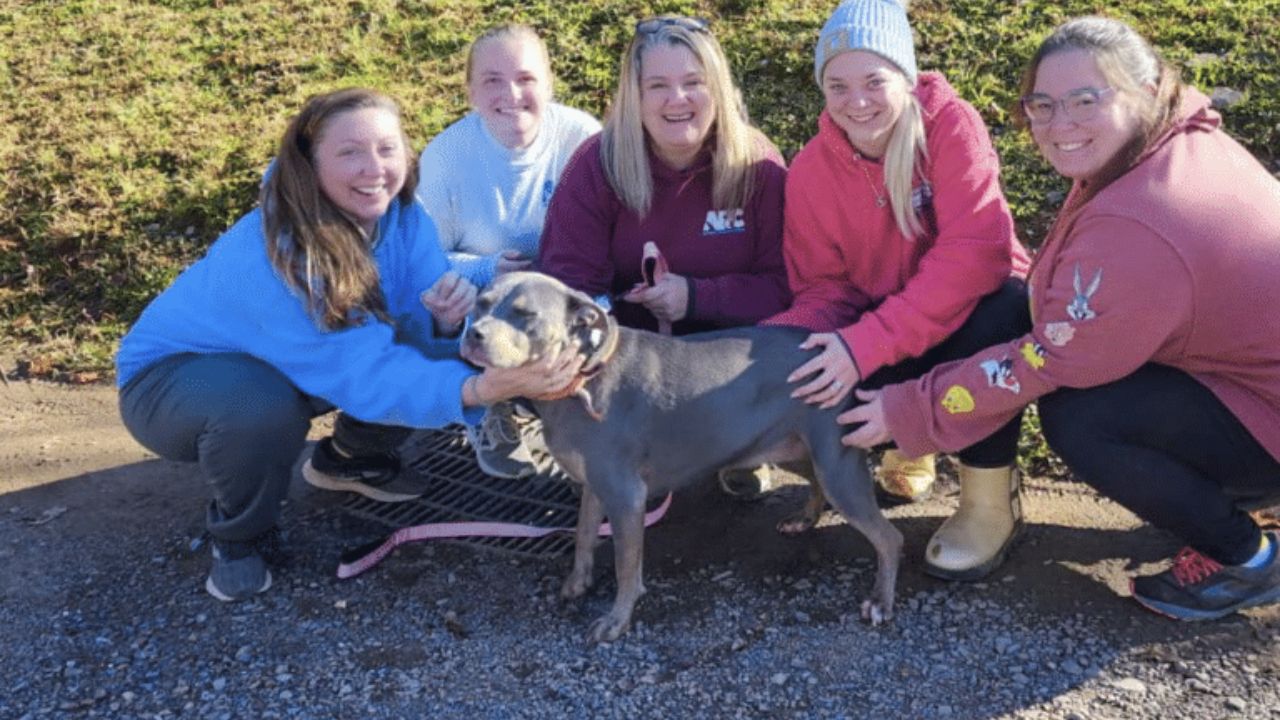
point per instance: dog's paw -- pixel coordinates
(576, 585)
(607, 628)
(875, 613)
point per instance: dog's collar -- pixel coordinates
(605, 349)
(594, 362)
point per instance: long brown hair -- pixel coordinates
(320, 252)
(1133, 68)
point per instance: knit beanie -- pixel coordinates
(878, 26)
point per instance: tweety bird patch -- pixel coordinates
(957, 400)
(1033, 353)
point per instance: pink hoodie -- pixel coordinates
(891, 297)
(1177, 262)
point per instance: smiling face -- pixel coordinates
(510, 86)
(1079, 150)
(676, 105)
(361, 161)
(865, 95)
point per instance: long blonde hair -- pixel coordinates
(737, 146)
(907, 147)
(320, 252)
(1133, 68)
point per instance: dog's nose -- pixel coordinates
(474, 333)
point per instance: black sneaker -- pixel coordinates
(238, 571)
(376, 477)
(1198, 588)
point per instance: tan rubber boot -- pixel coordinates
(907, 479)
(975, 540)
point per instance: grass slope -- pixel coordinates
(133, 133)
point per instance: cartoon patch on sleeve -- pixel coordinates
(957, 400)
(1000, 374)
(1059, 333)
(1079, 308)
(1033, 353)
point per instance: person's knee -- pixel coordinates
(249, 404)
(1065, 428)
(1076, 426)
(999, 317)
(1011, 297)
(281, 420)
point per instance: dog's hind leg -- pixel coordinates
(851, 490)
(624, 505)
(586, 535)
(804, 520)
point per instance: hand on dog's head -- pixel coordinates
(525, 316)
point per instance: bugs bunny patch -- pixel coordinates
(1078, 308)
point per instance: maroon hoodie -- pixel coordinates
(733, 256)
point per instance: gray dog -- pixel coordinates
(651, 413)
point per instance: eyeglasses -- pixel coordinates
(1078, 105)
(654, 24)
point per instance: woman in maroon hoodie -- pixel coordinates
(1156, 366)
(680, 166)
(901, 253)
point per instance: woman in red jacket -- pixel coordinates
(901, 253)
(1158, 377)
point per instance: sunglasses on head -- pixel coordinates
(654, 24)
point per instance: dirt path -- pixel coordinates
(94, 555)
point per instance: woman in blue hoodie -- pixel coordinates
(333, 294)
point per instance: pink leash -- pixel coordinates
(653, 267)
(366, 556)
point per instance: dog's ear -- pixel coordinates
(588, 322)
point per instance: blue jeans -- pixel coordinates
(244, 423)
(1162, 445)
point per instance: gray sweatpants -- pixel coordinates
(244, 422)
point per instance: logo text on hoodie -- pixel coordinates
(723, 222)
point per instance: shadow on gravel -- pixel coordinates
(102, 598)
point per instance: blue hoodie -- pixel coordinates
(233, 300)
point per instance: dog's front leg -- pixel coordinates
(586, 535)
(627, 520)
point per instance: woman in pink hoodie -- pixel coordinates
(901, 253)
(1155, 364)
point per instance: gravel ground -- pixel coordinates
(104, 615)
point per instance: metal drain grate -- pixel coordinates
(457, 490)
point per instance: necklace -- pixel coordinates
(861, 161)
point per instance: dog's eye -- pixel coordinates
(525, 313)
(483, 304)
